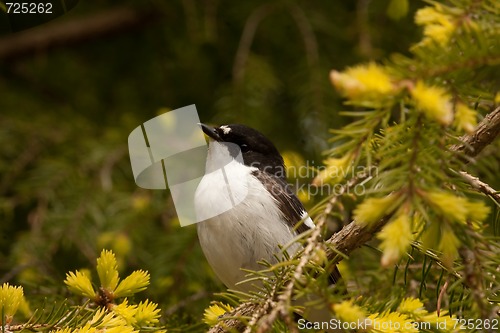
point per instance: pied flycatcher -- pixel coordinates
(265, 219)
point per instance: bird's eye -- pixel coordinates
(244, 147)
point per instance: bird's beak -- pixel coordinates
(210, 132)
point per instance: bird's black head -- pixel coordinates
(257, 150)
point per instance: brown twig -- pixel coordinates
(308, 36)
(484, 134)
(246, 40)
(480, 186)
(21, 327)
(364, 30)
(440, 297)
(352, 236)
(73, 31)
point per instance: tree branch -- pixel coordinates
(59, 33)
(484, 134)
(481, 186)
(352, 236)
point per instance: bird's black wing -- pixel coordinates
(292, 208)
(290, 205)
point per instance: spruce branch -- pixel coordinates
(234, 318)
(467, 64)
(353, 235)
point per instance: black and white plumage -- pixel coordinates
(269, 216)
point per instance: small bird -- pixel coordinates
(269, 215)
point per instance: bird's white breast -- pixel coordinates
(244, 234)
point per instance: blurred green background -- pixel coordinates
(67, 105)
